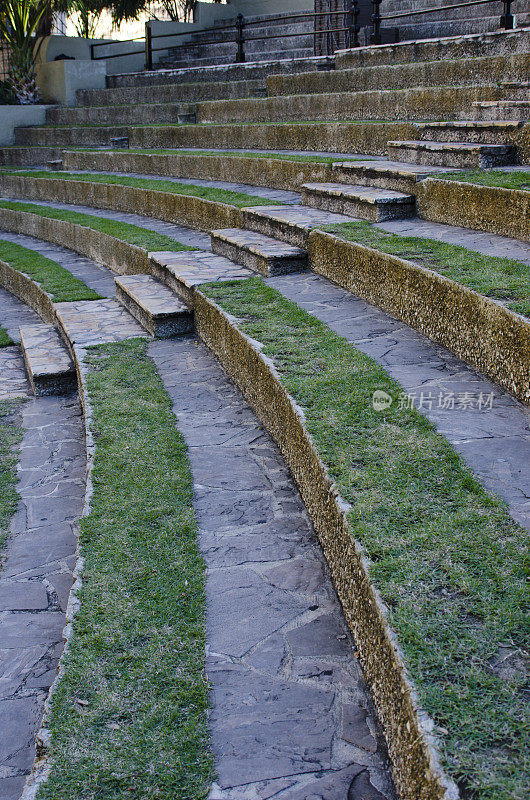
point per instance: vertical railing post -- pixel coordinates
(92, 52)
(376, 19)
(148, 47)
(356, 12)
(240, 24)
(352, 15)
(507, 16)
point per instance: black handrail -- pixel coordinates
(507, 20)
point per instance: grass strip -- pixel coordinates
(10, 438)
(5, 339)
(132, 234)
(304, 159)
(129, 717)
(60, 284)
(501, 278)
(490, 177)
(447, 558)
(237, 199)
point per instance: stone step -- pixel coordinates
(469, 131)
(455, 72)
(258, 252)
(517, 90)
(182, 272)
(221, 72)
(48, 363)
(437, 49)
(396, 175)
(499, 110)
(291, 224)
(459, 155)
(86, 323)
(266, 56)
(364, 202)
(172, 93)
(121, 114)
(154, 306)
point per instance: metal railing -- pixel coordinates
(507, 21)
(236, 32)
(4, 60)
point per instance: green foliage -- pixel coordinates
(7, 95)
(19, 20)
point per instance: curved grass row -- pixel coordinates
(54, 279)
(445, 555)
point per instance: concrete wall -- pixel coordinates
(79, 48)
(59, 80)
(12, 117)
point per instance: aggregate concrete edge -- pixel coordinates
(408, 729)
(477, 329)
(42, 764)
(494, 209)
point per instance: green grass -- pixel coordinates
(5, 339)
(133, 234)
(60, 284)
(136, 660)
(504, 279)
(237, 199)
(491, 177)
(304, 159)
(446, 556)
(10, 438)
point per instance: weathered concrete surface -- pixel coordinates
(36, 576)
(291, 715)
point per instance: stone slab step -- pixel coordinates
(365, 202)
(469, 131)
(291, 224)
(517, 90)
(182, 272)
(48, 363)
(397, 175)
(89, 322)
(155, 306)
(258, 252)
(499, 110)
(461, 155)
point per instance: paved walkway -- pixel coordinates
(291, 717)
(36, 576)
(494, 441)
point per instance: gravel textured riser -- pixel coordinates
(28, 156)
(502, 110)
(169, 93)
(265, 266)
(120, 115)
(224, 72)
(459, 159)
(472, 133)
(405, 104)
(489, 44)
(157, 327)
(487, 70)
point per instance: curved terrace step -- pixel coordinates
(460, 155)
(365, 202)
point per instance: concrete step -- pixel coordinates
(471, 132)
(48, 363)
(154, 306)
(222, 72)
(517, 90)
(459, 155)
(396, 175)
(257, 252)
(182, 272)
(446, 72)
(172, 93)
(28, 156)
(265, 56)
(499, 110)
(122, 114)
(445, 47)
(364, 202)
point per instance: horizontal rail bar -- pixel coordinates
(118, 41)
(288, 35)
(121, 55)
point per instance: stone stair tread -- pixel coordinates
(154, 297)
(258, 243)
(299, 216)
(366, 194)
(48, 363)
(472, 124)
(467, 147)
(90, 322)
(402, 168)
(199, 267)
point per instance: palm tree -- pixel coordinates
(19, 20)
